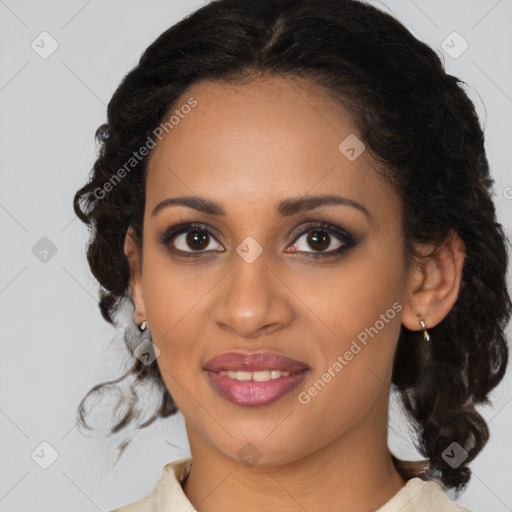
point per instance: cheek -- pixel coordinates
(346, 299)
(173, 304)
(357, 309)
(170, 291)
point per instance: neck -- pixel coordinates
(353, 472)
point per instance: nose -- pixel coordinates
(253, 299)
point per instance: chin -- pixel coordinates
(253, 452)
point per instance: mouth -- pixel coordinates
(257, 376)
(254, 379)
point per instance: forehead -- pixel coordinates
(255, 143)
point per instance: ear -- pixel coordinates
(132, 252)
(434, 283)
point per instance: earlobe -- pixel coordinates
(434, 283)
(132, 253)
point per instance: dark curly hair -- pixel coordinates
(417, 122)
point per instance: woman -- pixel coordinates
(295, 198)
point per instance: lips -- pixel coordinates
(256, 361)
(255, 379)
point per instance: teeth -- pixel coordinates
(260, 376)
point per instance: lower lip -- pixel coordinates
(250, 393)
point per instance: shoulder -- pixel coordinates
(167, 492)
(422, 496)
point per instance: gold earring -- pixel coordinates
(143, 325)
(426, 336)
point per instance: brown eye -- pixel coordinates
(319, 240)
(324, 239)
(197, 239)
(188, 239)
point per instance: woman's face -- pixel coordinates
(264, 279)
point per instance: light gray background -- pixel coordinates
(55, 345)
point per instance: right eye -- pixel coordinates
(191, 238)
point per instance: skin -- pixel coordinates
(248, 147)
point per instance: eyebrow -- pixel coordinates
(285, 207)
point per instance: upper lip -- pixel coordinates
(251, 362)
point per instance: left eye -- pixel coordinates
(322, 239)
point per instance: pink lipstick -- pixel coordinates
(255, 379)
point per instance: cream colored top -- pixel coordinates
(168, 496)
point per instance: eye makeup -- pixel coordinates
(203, 236)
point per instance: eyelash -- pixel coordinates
(346, 237)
